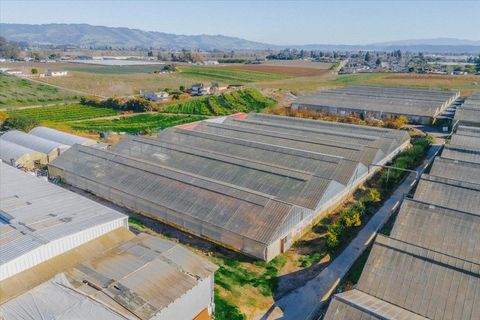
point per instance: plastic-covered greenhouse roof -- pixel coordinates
(60, 137)
(456, 233)
(398, 135)
(429, 283)
(35, 213)
(465, 141)
(456, 170)
(285, 184)
(10, 150)
(337, 148)
(453, 194)
(461, 154)
(468, 116)
(174, 192)
(32, 142)
(468, 131)
(358, 305)
(391, 100)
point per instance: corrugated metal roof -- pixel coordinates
(37, 213)
(449, 193)
(408, 102)
(241, 211)
(144, 275)
(426, 282)
(461, 153)
(20, 154)
(60, 136)
(469, 116)
(452, 232)
(468, 131)
(355, 304)
(32, 142)
(456, 170)
(465, 141)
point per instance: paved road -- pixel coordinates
(304, 302)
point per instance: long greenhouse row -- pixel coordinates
(429, 265)
(249, 182)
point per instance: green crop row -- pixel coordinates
(137, 124)
(63, 113)
(246, 100)
(230, 76)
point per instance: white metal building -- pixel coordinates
(39, 220)
(20, 156)
(60, 136)
(50, 148)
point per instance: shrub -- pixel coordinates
(21, 123)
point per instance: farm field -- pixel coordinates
(64, 113)
(136, 124)
(228, 76)
(280, 70)
(114, 69)
(246, 100)
(15, 91)
(119, 85)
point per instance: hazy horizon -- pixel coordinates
(278, 23)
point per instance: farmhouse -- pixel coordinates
(421, 271)
(419, 106)
(64, 256)
(53, 73)
(155, 96)
(203, 89)
(252, 183)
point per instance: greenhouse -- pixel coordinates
(60, 136)
(249, 185)
(50, 148)
(20, 156)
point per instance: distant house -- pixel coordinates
(203, 89)
(52, 73)
(155, 96)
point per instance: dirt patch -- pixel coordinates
(292, 71)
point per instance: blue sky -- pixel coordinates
(276, 22)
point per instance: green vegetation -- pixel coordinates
(117, 69)
(20, 122)
(229, 76)
(232, 274)
(16, 92)
(246, 100)
(137, 124)
(135, 222)
(406, 160)
(129, 104)
(225, 310)
(63, 113)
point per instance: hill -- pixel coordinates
(86, 35)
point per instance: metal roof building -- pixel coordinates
(461, 153)
(39, 220)
(420, 106)
(20, 156)
(251, 183)
(468, 131)
(50, 148)
(429, 266)
(64, 256)
(449, 193)
(60, 136)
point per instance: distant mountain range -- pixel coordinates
(86, 35)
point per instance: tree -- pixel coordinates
(368, 57)
(34, 71)
(378, 62)
(477, 64)
(21, 123)
(8, 50)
